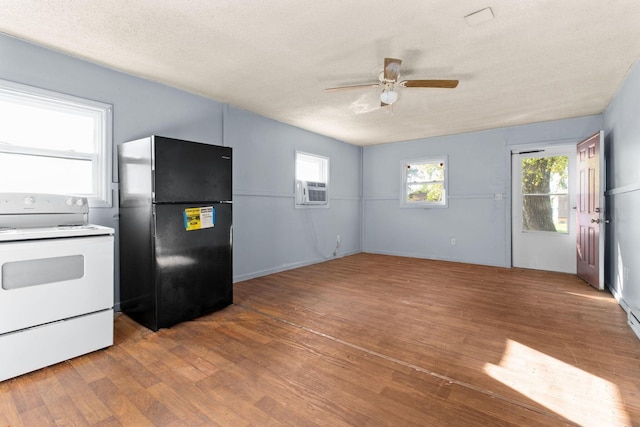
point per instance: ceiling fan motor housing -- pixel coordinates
(389, 77)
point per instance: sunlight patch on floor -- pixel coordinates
(570, 392)
(606, 298)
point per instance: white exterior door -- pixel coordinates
(543, 215)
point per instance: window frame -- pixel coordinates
(323, 160)
(100, 158)
(404, 190)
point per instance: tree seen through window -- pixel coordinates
(425, 182)
(545, 195)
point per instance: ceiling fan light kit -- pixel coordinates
(388, 96)
(389, 78)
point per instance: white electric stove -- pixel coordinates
(56, 282)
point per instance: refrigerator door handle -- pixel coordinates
(153, 213)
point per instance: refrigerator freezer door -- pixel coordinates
(193, 266)
(190, 171)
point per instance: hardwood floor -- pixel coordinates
(360, 340)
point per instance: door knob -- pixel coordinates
(597, 221)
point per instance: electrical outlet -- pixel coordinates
(338, 239)
(453, 240)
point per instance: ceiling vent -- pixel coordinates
(479, 17)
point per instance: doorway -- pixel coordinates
(543, 202)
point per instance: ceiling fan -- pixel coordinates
(389, 79)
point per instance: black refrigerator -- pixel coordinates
(175, 228)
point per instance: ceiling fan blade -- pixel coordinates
(446, 84)
(392, 68)
(350, 87)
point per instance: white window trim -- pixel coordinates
(312, 205)
(101, 158)
(403, 182)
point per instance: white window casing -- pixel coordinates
(55, 143)
(424, 182)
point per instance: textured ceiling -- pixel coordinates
(535, 61)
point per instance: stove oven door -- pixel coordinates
(46, 280)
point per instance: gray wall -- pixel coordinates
(479, 169)
(269, 235)
(622, 148)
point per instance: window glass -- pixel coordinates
(54, 143)
(424, 182)
(312, 179)
(545, 194)
(311, 168)
(20, 173)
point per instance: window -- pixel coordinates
(54, 143)
(424, 182)
(545, 193)
(312, 179)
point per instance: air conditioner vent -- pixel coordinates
(311, 193)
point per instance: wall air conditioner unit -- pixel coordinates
(311, 193)
(634, 321)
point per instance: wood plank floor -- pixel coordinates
(364, 340)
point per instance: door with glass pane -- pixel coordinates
(543, 218)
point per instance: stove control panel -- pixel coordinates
(33, 203)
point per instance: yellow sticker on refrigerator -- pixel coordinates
(199, 218)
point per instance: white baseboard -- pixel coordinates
(633, 315)
(285, 267)
(633, 318)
